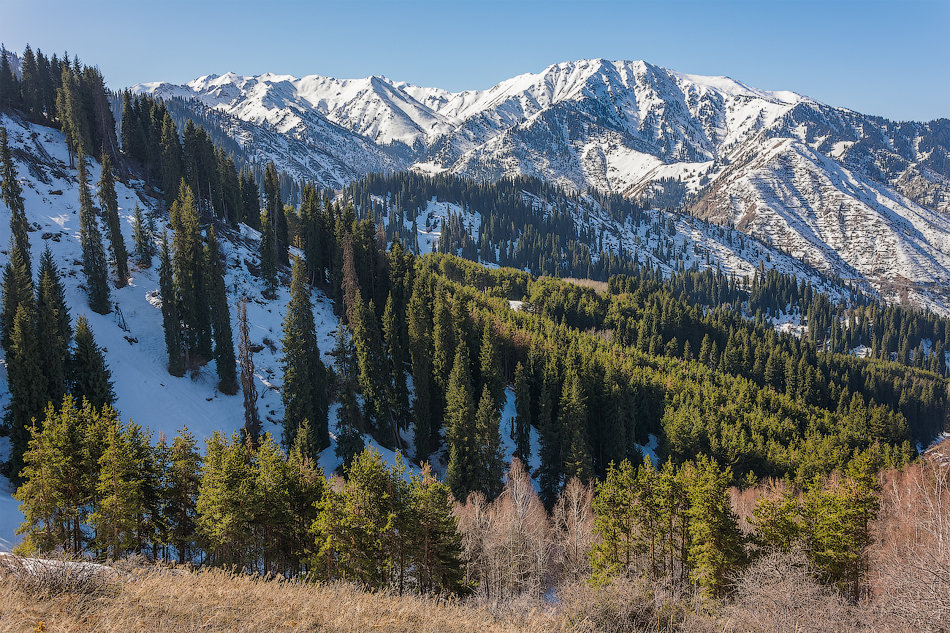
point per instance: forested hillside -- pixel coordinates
(367, 410)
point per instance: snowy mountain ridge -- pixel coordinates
(856, 196)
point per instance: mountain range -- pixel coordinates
(855, 196)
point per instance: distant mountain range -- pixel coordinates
(856, 196)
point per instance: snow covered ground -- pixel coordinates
(132, 334)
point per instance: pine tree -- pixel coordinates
(191, 278)
(490, 462)
(27, 382)
(181, 493)
(9, 91)
(93, 255)
(522, 424)
(350, 423)
(374, 377)
(437, 555)
(90, 377)
(172, 169)
(420, 343)
(460, 431)
(252, 421)
(120, 500)
(170, 320)
(616, 522)
(392, 335)
(304, 390)
(716, 549)
(52, 495)
(220, 319)
(17, 288)
(13, 199)
(143, 235)
(572, 420)
(275, 214)
(268, 257)
(490, 366)
(53, 326)
(110, 211)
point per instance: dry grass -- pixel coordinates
(215, 600)
(599, 286)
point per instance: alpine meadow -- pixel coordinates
(604, 347)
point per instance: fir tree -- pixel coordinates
(53, 326)
(120, 499)
(191, 278)
(170, 321)
(181, 493)
(349, 439)
(13, 199)
(490, 365)
(490, 462)
(221, 319)
(110, 209)
(268, 257)
(420, 344)
(172, 169)
(399, 393)
(143, 235)
(304, 390)
(93, 255)
(437, 555)
(275, 214)
(90, 377)
(522, 423)
(252, 422)
(572, 420)
(374, 375)
(27, 382)
(17, 288)
(460, 431)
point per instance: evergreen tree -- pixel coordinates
(53, 327)
(490, 462)
(90, 377)
(572, 420)
(181, 493)
(17, 288)
(304, 390)
(374, 377)
(252, 421)
(275, 214)
(27, 382)
(170, 320)
(460, 429)
(191, 279)
(437, 555)
(349, 439)
(220, 319)
(93, 255)
(13, 199)
(522, 422)
(420, 343)
(490, 365)
(9, 91)
(399, 393)
(268, 257)
(172, 169)
(110, 209)
(119, 496)
(716, 549)
(143, 235)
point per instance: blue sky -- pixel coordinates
(888, 58)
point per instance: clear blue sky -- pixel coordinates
(888, 58)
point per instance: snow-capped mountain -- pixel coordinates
(853, 195)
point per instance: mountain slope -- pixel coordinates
(854, 196)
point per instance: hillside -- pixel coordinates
(853, 196)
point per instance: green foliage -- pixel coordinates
(225, 363)
(90, 378)
(171, 323)
(13, 199)
(110, 212)
(93, 255)
(143, 235)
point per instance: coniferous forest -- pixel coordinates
(676, 456)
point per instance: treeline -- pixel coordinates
(94, 485)
(69, 95)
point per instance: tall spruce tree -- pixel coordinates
(221, 319)
(170, 320)
(522, 422)
(460, 431)
(110, 211)
(304, 390)
(399, 392)
(420, 343)
(28, 393)
(490, 371)
(490, 463)
(252, 421)
(191, 278)
(93, 254)
(172, 169)
(13, 199)
(375, 379)
(53, 326)
(17, 287)
(90, 377)
(268, 257)
(143, 235)
(350, 423)
(276, 215)
(572, 421)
